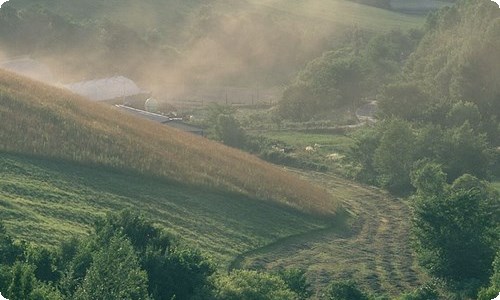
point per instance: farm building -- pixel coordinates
(177, 123)
(28, 67)
(117, 89)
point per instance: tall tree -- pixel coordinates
(455, 227)
(114, 274)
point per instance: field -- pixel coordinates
(77, 160)
(327, 143)
(345, 13)
(375, 252)
(45, 201)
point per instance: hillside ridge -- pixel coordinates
(58, 124)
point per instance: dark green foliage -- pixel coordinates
(228, 130)
(345, 290)
(331, 81)
(115, 273)
(22, 281)
(493, 289)
(403, 100)
(46, 292)
(394, 157)
(9, 251)
(135, 227)
(172, 271)
(367, 140)
(43, 261)
(224, 126)
(179, 273)
(455, 228)
(296, 281)
(345, 76)
(252, 285)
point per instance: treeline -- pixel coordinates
(437, 92)
(342, 78)
(437, 134)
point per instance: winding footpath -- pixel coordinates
(373, 249)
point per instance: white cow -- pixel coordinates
(2, 298)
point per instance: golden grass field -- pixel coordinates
(44, 121)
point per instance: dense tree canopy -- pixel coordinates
(455, 226)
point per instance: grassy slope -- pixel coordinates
(376, 254)
(62, 162)
(57, 124)
(345, 13)
(45, 201)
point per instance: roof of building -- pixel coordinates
(28, 67)
(173, 122)
(106, 88)
(145, 114)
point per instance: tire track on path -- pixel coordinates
(373, 248)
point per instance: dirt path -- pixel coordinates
(375, 252)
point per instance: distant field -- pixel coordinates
(46, 201)
(343, 13)
(327, 143)
(418, 6)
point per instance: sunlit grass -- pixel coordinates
(344, 13)
(39, 120)
(44, 202)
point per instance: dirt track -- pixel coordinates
(375, 251)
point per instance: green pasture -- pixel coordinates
(45, 202)
(326, 142)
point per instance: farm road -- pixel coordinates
(375, 251)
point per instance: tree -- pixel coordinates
(173, 271)
(177, 273)
(466, 151)
(114, 274)
(224, 126)
(296, 281)
(494, 289)
(403, 100)
(9, 251)
(228, 130)
(252, 285)
(395, 155)
(345, 290)
(22, 281)
(455, 229)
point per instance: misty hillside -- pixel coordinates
(164, 44)
(52, 123)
